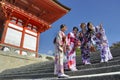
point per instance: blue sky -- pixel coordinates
(106, 12)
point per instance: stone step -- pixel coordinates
(93, 61)
(101, 76)
(28, 76)
(43, 70)
(95, 58)
(79, 63)
(97, 65)
(39, 70)
(43, 66)
(96, 55)
(115, 51)
(113, 68)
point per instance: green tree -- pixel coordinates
(115, 45)
(78, 51)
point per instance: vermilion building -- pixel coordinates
(22, 22)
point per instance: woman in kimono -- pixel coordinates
(60, 49)
(102, 44)
(85, 36)
(71, 53)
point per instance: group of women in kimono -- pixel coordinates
(86, 39)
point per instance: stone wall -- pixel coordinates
(11, 60)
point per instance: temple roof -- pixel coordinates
(41, 13)
(47, 10)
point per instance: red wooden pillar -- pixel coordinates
(22, 40)
(23, 36)
(5, 30)
(37, 44)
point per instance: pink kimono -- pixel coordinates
(71, 53)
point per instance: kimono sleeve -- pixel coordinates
(59, 39)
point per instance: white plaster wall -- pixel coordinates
(30, 42)
(13, 37)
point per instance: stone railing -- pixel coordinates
(12, 50)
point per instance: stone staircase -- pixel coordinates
(44, 71)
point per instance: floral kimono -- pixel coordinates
(60, 44)
(86, 43)
(102, 44)
(71, 53)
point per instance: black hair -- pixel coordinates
(88, 24)
(62, 26)
(82, 24)
(75, 28)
